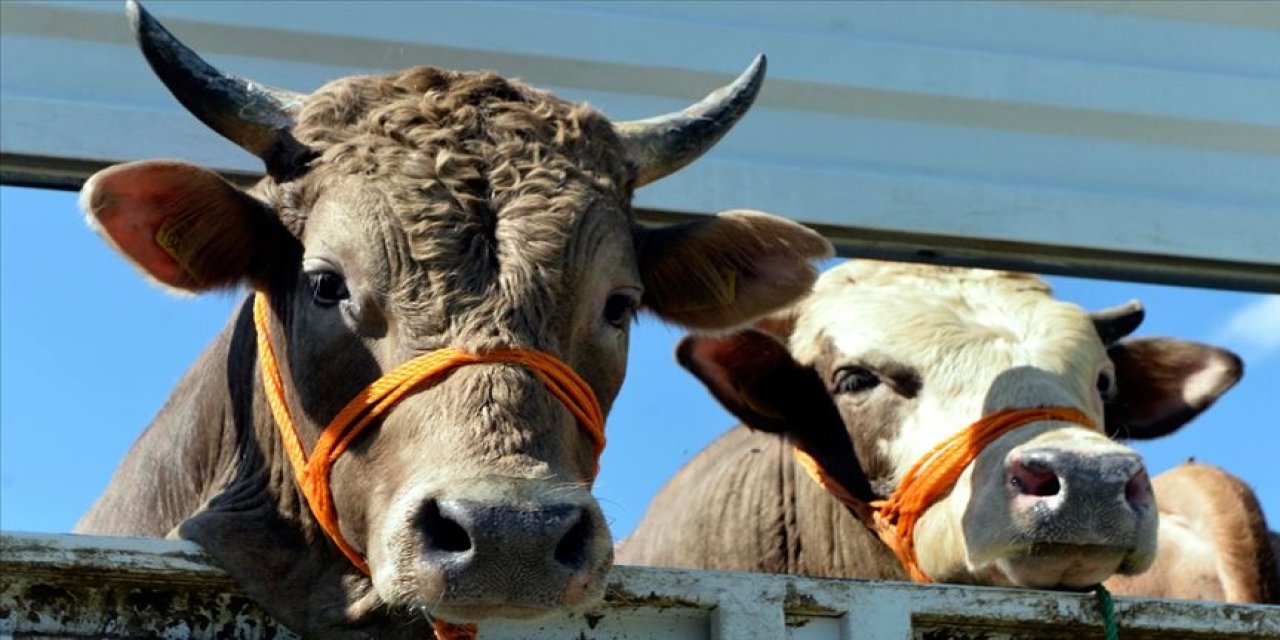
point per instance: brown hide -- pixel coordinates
(742, 504)
(1214, 542)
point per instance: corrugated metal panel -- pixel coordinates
(90, 587)
(1135, 139)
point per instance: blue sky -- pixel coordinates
(89, 351)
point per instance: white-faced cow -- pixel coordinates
(417, 221)
(881, 365)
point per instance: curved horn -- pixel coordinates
(1114, 323)
(254, 116)
(659, 146)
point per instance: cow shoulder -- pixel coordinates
(1214, 543)
(723, 510)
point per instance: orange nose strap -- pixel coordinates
(312, 471)
(932, 477)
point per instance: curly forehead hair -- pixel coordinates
(458, 148)
(488, 180)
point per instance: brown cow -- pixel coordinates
(1214, 543)
(402, 214)
(886, 360)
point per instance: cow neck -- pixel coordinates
(930, 478)
(312, 471)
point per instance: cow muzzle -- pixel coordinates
(473, 559)
(1075, 515)
(494, 546)
(1030, 533)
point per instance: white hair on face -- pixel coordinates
(888, 285)
(960, 328)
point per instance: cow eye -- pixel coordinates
(327, 288)
(856, 380)
(620, 308)
(1106, 386)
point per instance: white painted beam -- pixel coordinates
(1101, 139)
(59, 584)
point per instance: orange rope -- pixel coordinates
(825, 480)
(931, 478)
(312, 472)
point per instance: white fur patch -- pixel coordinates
(963, 331)
(1204, 385)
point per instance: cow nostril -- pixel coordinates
(1137, 491)
(571, 551)
(1034, 478)
(442, 533)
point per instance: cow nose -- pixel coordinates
(1034, 474)
(1042, 474)
(476, 550)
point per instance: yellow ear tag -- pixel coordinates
(171, 236)
(723, 290)
(169, 240)
(729, 291)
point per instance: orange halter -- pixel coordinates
(931, 478)
(312, 472)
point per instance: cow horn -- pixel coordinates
(1116, 322)
(659, 146)
(254, 116)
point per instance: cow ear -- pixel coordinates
(184, 226)
(1117, 322)
(755, 378)
(1163, 383)
(780, 324)
(726, 271)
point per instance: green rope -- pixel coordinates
(1108, 608)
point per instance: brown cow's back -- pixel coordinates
(742, 504)
(1214, 542)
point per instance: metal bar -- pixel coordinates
(993, 134)
(69, 174)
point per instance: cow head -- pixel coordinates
(885, 361)
(428, 209)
